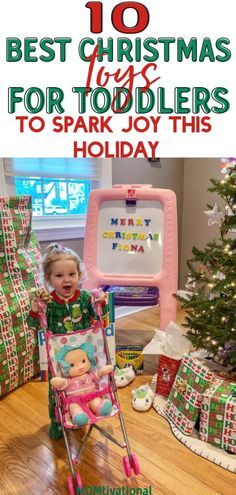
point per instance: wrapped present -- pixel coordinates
(218, 415)
(184, 402)
(19, 272)
(170, 346)
(166, 373)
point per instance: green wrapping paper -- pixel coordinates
(184, 402)
(19, 272)
(218, 415)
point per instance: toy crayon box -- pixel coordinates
(130, 355)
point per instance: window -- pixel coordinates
(59, 197)
(60, 189)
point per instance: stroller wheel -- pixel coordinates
(71, 487)
(127, 467)
(135, 464)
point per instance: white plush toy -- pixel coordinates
(142, 398)
(124, 376)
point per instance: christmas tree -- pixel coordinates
(210, 299)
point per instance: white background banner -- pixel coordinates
(182, 53)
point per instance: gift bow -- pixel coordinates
(44, 298)
(181, 386)
(43, 295)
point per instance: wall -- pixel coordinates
(196, 197)
(168, 173)
(75, 244)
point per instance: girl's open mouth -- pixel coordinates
(67, 288)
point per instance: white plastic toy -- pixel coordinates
(142, 398)
(124, 376)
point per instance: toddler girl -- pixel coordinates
(71, 308)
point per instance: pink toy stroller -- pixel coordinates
(107, 387)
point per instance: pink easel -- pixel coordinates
(114, 261)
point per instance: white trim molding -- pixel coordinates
(51, 229)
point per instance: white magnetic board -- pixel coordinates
(130, 238)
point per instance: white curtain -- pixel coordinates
(67, 168)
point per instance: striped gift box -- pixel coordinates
(218, 415)
(184, 402)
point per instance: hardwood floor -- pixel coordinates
(32, 464)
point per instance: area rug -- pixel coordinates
(121, 311)
(206, 450)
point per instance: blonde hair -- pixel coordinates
(57, 252)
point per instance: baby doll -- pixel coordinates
(77, 365)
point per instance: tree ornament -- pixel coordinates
(215, 216)
(190, 284)
(184, 294)
(219, 276)
(227, 164)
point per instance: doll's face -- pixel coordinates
(79, 362)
